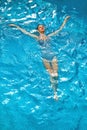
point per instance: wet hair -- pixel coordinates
(39, 25)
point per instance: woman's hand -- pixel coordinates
(13, 25)
(67, 17)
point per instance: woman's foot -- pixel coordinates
(55, 97)
(54, 80)
(54, 74)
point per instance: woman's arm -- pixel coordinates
(61, 27)
(23, 30)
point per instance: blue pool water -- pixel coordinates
(26, 97)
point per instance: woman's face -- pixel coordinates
(41, 28)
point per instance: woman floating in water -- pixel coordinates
(49, 57)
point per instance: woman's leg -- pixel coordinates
(48, 66)
(54, 84)
(54, 78)
(55, 66)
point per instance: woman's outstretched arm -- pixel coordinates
(61, 27)
(24, 31)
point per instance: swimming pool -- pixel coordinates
(26, 101)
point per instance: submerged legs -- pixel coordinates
(54, 84)
(52, 68)
(48, 66)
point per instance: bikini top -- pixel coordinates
(43, 43)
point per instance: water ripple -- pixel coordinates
(25, 93)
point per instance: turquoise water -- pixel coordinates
(26, 97)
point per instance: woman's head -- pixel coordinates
(41, 28)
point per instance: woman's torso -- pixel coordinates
(46, 47)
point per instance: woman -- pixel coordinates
(49, 58)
